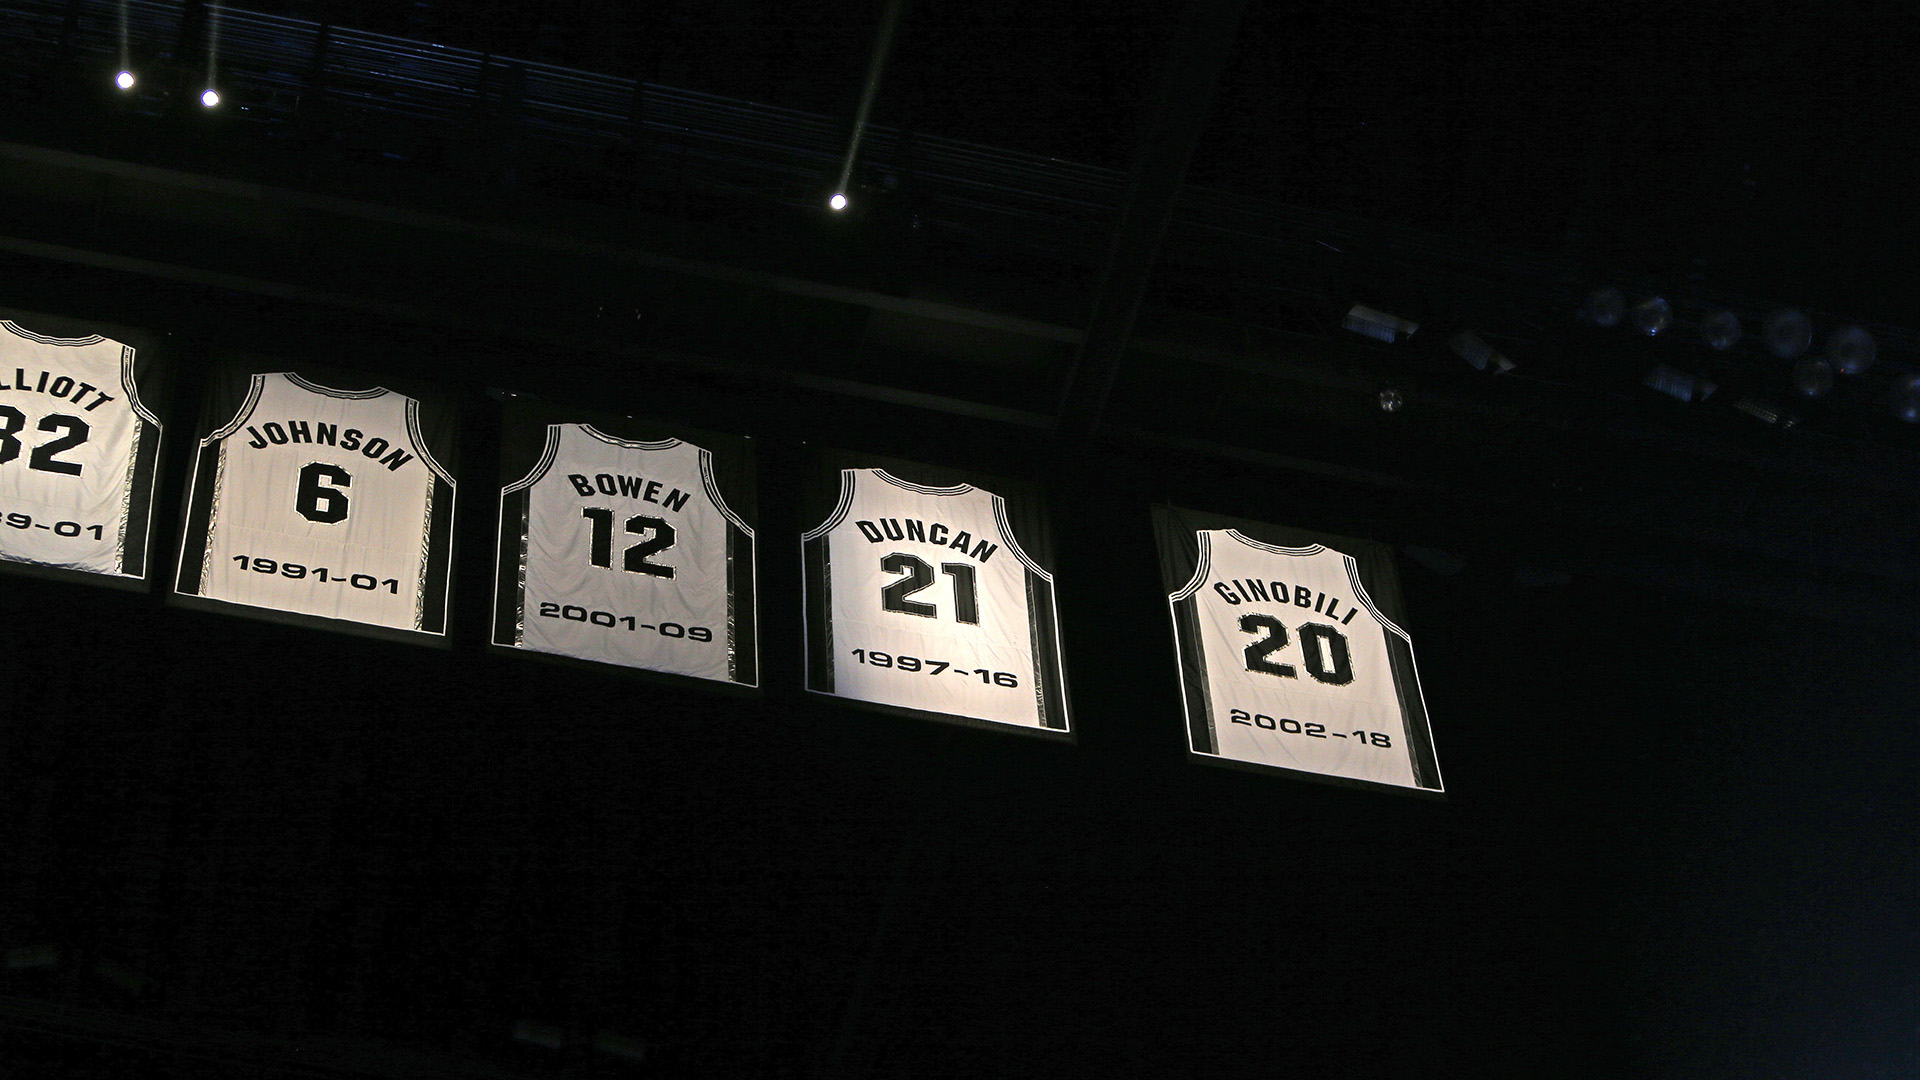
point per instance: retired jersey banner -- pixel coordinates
(79, 448)
(930, 590)
(627, 542)
(1291, 651)
(322, 500)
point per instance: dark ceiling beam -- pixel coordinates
(1179, 109)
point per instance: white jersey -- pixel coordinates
(920, 597)
(322, 502)
(77, 454)
(1295, 666)
(626, 553)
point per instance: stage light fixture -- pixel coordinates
(124, 80)
(1474, 349)
(1812, 376)
(30, 957)
(1679, 385)
(210, 98)
(1652, 315)
(538, 1033)
(1604, 308)
(1720, 329)
(1392, 400)
(1851, 350)
(838, 201)
(1787, 333)
(620, 1046)
(1378, 325)
(1767, 412)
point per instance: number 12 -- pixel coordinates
(601, 527)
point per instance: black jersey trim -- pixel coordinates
(848, 479)
(1310, 549)
(539, 471)
(630, 444)
(256, 385)
(309, 384)
(924, 489)
(1202, 566)
(49, 339)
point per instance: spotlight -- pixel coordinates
(124, 80)
(210, 98)
(1391, 400)
(1851, 350)
(1812, 376)
(838, 201)
(1652, 315)
(1604, 308)
(1787, 333)
(1720, 330)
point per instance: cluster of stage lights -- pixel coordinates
(126, 80)
(1786, 333)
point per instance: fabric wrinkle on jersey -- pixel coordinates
(556, 564)
(1013, 635)
(1232, 570)
(73, 436)
(286, 425)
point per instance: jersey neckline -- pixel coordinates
(924, 489)
(1278, 549)
(304, 383)
(631, 444)
(49, 339)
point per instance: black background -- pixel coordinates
(1680, 829)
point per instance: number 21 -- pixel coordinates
(919, 575)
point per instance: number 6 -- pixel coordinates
(316, 502)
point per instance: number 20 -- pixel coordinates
(1328, 658)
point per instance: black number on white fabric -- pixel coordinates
(1329, 660)
(661, 540)
(76, 433)
(659, 537)
(599, 535)
(919, 575)
(13, 421)
(318, 502)
(1261, 648)
(966, 596)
